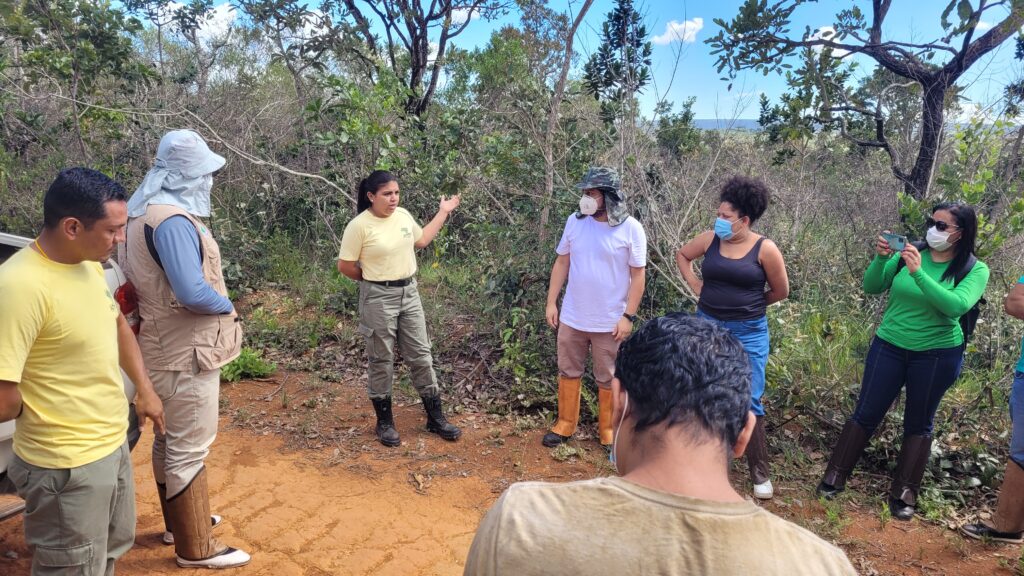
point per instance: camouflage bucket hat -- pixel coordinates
(600, 177)
(607, 181)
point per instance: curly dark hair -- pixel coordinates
(681, 369)
(748, 196)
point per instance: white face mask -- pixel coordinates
(615, 439)
(588, 206)
(938, 241)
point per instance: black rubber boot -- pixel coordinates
(906, 479)
(552, 439)
(436, 422)
(852, 441)
(386, 433)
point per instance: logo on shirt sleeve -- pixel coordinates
(406, 232)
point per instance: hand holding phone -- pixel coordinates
(896, 242)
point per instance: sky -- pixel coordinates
(684, 67)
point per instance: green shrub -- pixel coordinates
(249, 364)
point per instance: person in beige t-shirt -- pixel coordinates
(681, 400)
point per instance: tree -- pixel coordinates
(300, 36)
(548, 144)
(759, 39)
(620, 69)
(676, 133)
(77, 44)
(411, 25)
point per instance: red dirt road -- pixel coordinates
(346, 505)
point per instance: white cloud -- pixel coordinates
(219, 23)
(970, 111)
(827, 33)
(314, 23)
(460, 15)
(982, 25)
(680, 31)
(216, 26)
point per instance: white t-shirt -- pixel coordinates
(600, 257)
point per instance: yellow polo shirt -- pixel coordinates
(384, 247)
(58, 342)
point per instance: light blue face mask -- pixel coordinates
(723, 228)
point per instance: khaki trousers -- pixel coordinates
(390, 315)
(573, 347)
(190, 415)
(78, 520)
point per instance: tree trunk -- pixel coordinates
(917, 182)
(548, 145)
(1012, 166)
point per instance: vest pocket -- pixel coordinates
(229, 337)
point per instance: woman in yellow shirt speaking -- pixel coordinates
(377, 250)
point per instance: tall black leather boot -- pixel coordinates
(436, 422)
(386, 432)
(852, 441)
(906, 479)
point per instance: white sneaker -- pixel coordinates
(168, 538)
(229, 558)
(764, 491)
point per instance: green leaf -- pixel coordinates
(945, 15)
(964, 10)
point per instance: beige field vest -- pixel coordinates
(170, 333)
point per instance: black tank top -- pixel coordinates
(733, 289)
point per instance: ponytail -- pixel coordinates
(370, 185)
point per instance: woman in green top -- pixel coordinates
(919, 345)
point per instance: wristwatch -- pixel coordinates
(632, 317)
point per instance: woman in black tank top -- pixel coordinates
(741, 274)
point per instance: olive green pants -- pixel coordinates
(390, 315)
(79, 520)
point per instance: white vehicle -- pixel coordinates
(124, 293)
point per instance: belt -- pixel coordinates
(392, 283)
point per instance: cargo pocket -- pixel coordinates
(19, 475)
(367, 332)
(74, 560)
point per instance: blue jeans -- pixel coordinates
(753, 334)
(1017, 417)
(926, 375)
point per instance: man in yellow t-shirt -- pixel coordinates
(63, 338)
(681, 397)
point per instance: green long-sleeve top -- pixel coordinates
(923, 311)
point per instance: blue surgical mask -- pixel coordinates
(723, 228)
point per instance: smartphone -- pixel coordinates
(896, 242)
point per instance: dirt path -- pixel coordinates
(346, 505)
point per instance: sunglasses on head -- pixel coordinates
(939, 224)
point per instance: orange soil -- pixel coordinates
(350, 506)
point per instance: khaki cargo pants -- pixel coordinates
(390, 315)
(191, 404)
(78, 520)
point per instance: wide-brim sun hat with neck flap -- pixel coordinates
(187, 152)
